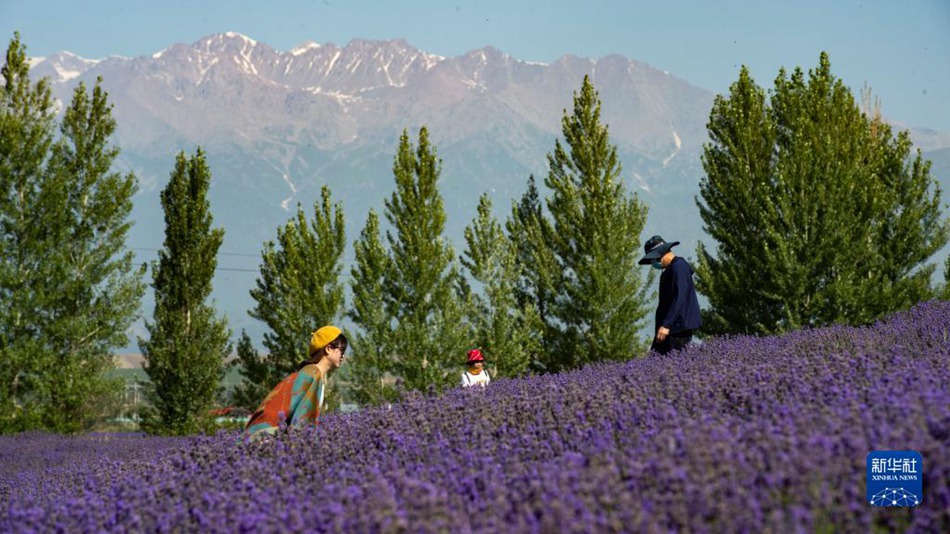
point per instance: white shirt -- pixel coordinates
(481, 379)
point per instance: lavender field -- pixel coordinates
(736, 435)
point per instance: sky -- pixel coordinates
(899, 49)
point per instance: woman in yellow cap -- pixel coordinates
(297, 399)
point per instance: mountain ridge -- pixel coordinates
(278, 125)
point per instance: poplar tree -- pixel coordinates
(256, 374)
(530, 232)
(299, 288)
(601, 306)
(736, 210)
(369, 369)
(945, 295)
(187, 346)
(98, 287)
(420, 291)
(27, 127)
(69, 289)
(507, 332)
(821, 215)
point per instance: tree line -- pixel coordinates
(820, 213)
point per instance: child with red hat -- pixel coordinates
(475, 373)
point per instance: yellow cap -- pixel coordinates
(322, 337)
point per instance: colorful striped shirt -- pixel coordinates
(295, 401)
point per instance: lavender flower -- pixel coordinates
(743, 434)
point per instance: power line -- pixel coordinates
(233, 269)
(237, 270)
(219, 253)
(243, 254)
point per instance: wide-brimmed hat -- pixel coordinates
(656, 247)
(475, 356)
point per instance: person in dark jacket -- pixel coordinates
(677, 315)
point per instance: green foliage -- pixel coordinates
(420, 290)
(299, 289)
(68, 287)
(820, 213)
(506, 331)
(601, 305)
(256, 372)
(26, 136)
(539, 272)
(737, 211)
(188, 344)
(945, 295)
(368, 369)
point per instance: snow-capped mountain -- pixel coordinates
(278, 125)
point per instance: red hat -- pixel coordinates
(475, 356)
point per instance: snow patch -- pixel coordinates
(430, 60)
(245, 63)
(293, 188)
(641, 183)
(236, 35)
(336, 56)
(679, 144)
(304, 48)
(472, 84)
(66, 74)
(385, 69)
(285, 204)
(344, 99)
(205, 69)
(244, 58)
